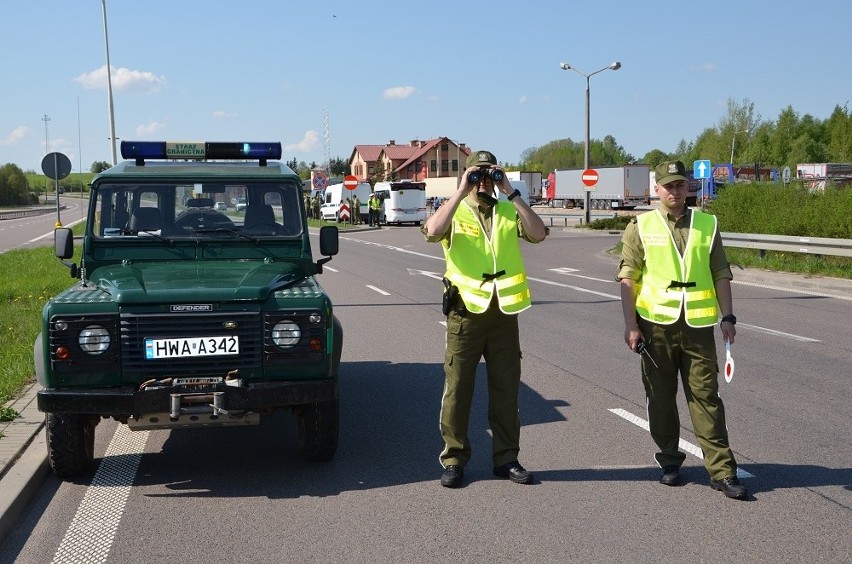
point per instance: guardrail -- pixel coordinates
(810, 245)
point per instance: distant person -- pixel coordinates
(356, 210)
(486, 287)
(374, 205)
(675, 283)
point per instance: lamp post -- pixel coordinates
(734, 142)
(565, 66)
(109, 89)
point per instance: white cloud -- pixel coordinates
(122, 79)
(522, 100)
(147, 129)
(17, 134)
(308, 142)
(398, 92)
(708, 67)
(223, 114)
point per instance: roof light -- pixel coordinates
(141, 150)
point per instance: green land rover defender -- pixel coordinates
(186, 314)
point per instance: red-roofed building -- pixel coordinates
(417, 160)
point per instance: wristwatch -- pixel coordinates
(514, 194)
(730, 318)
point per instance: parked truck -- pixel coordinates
(817, 175)
(622, 187)
(533, 182)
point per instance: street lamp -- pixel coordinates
(109, 89)
(734, 142)
(565, 66)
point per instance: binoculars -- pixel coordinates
(494, 174)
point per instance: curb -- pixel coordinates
(23, 460)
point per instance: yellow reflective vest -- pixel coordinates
(480, 266)
(672, 283)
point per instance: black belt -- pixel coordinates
(676, 284)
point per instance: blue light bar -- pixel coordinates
(141, 150)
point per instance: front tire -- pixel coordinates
(70, 443)
(319, 424)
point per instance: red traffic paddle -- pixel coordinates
(729, 362)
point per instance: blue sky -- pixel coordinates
(482, 73)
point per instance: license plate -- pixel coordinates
(191, 347)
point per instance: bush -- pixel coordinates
(775, 209)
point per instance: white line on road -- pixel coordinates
(379, 290)
(684, 445)
(326, 267)
(792, 290)
(779, 333)
(90, 535)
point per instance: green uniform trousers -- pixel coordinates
(494, 336)
(690, 352)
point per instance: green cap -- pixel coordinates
(669, 171)
(481, 158)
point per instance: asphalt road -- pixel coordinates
(241, 494)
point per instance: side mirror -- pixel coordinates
(329, 245)
(63, 248)
(63, 243)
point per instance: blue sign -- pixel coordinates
(701, 169)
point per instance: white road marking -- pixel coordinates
(684, 445)
(792, 290)
(379, 290)
(91, 533)
(326, 267)
(778, 333)
(571, 271)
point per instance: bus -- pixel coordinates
(402, 201)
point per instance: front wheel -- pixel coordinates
(318, 429)
(70, 443)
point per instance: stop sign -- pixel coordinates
(590, 177)
(350, 182)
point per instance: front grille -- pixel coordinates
(135, 328)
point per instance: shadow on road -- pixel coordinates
(388, 436)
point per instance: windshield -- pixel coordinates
(212, 209)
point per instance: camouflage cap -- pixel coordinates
(669, 171)
(481, 158)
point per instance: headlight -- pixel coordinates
(286, 334)
(94, 339)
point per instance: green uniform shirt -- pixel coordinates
(633, 252)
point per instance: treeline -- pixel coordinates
(742, 133)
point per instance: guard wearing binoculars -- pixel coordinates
(486, 287)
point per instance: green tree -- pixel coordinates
(13, 185)
(99, 166)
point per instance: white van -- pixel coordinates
(335, 194)
(402, 201)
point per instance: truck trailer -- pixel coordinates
(621, 187)
(533, 182)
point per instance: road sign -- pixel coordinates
(701, 169)
(590, 177)
(350, 182)
(56, 166)
(320, 180)
(344, 212)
